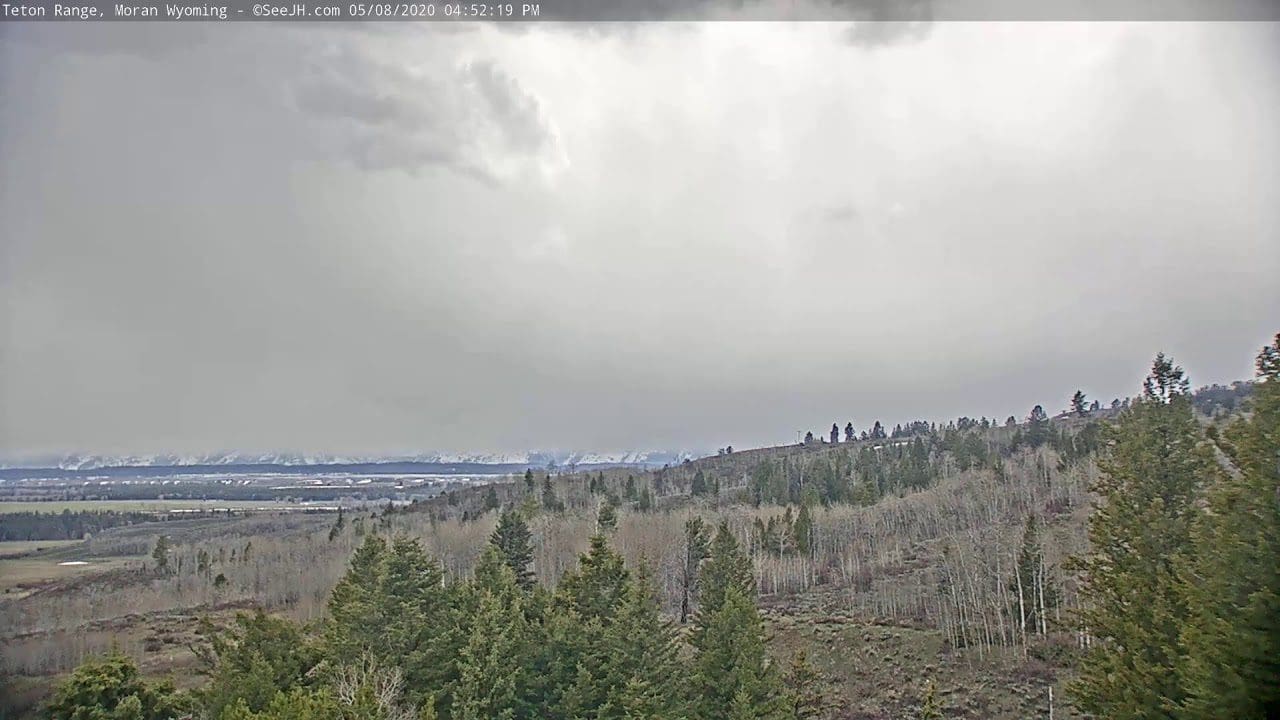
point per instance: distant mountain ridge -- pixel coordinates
(88, 462)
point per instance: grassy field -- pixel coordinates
(18, 573)
(14, 548)
(57, 506)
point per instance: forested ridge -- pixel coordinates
(1166, 605)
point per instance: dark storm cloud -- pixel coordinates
(393, 117)
(688, 235)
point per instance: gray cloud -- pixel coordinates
(687, 235)
(459, 115)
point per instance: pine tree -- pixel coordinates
(698, 487)
(802, 531)
(1079, 405)
(607, 518)
(1233, 580)
(696, 548)
(549, 500)
(641, 667)
(596, 587)
(848, 432)
(161, 554)
(420, 632)
(110, 688)
(492, 663)
(253, 661)
(728, 568)
(338, 526)
(354, 615)
(1139, 535)
(645, 503)
(835, 433)
(513, 540)
(1037, 432)
(731, 668)
(804, 688)
(930, 708)
(528, 481)
(1035, 594)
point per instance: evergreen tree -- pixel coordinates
(930, 708)
(595, 589)
(728, 567)
(110, 688)
(529, 483)
(802, 531)
(161, 554)
(1037, 432)
(419, 631)
(731, 668)
(835, 433)
(491, 501)
(1232, 641)
(1035, 593)
(338, 526)
(645, 504)
(696, 548)
(804, 688)
(641, 668)
(549, 500)
(354, 619)
(252, 662)
(1079, 405)
(492, 663)
(607, 518)
(848, 432)
(1139, 535)
(698, 487)
(514, 542)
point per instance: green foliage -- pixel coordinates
(354, 614)
(394, 606)
(728, 568)
(637, 670)
(607, 518)
(492, 661)
(930, 708)
(802, 531)
(161, 553)
(514, 541)
(699, 486)
(1038, 431)
(1035, 591)
(596, 588)
(696, 549)
(731, 668)
(110, 688)
(253, 661)
(491, 501)
(1139, 535)
(550, 502)
(1232, 640)
(338, 526)
(804, 688)
(1079, 404)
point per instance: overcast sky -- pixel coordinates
(377, 239)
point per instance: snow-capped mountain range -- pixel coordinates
(537, 459)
